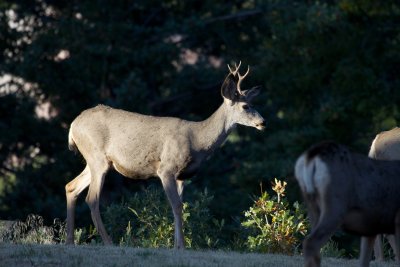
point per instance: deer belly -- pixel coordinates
(362, 223)
(136, 170)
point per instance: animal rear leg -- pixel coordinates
(98, 170)
(313, 210)
(72, 190)
(319, 236)
(367, 244)
(170, 186)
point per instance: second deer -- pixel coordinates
(346, 189)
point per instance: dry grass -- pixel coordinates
(88, 256)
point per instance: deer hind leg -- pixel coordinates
(318, 237)
(171, 189)
(325, 225)
(98, 170)
(313, 210)
(73, 189)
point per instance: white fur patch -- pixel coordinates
(321, 175)
(302, 174)
(313, 175)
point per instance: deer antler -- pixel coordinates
(236, 68)
(241, 78)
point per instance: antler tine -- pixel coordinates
(241, 78)
(236, 68)
(231, 71)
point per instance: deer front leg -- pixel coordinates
(367, 244)
(171, 189)
(378, 248)
(180, 186)
(392, 241)
(396, 247)
(98, 170)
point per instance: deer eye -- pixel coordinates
(245, 107)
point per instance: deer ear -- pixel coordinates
(229, 90)
(253, 92)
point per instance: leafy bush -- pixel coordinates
(274, 227)
(146, 220)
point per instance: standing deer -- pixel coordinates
(347, 189)
(386, 146)
(140, 146)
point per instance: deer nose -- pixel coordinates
(260, 125)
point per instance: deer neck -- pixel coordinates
(210, 133)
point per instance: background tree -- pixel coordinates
(330, 70)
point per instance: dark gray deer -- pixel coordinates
(386, 146)
(347, 189)
(140, 146)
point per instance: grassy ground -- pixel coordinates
(88, 256)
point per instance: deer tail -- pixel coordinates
(304, 172)
(372, 150)
(71, 143)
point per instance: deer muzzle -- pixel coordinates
(260, 125)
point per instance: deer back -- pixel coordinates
(386, 145)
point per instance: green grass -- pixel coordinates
(88, 256)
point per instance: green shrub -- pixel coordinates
(33, 230)
(331, 249)
(202, 228)
(146, 220)
(274, 227)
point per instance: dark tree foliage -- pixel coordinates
(329, 70)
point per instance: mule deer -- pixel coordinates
(386, 146)
(347, 189)
(140, 146)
